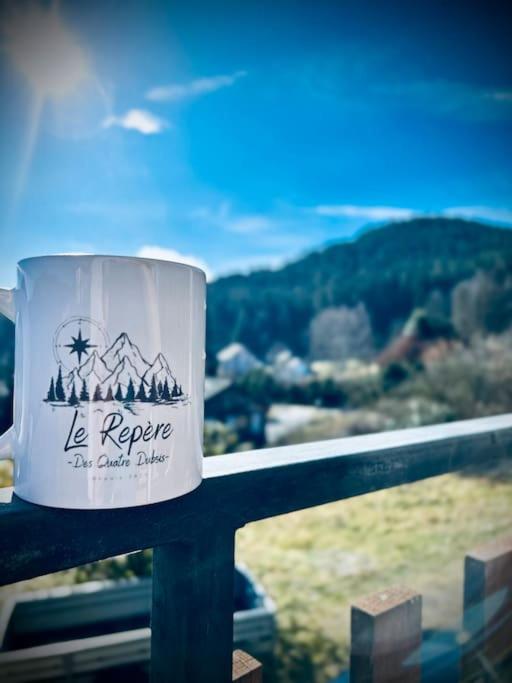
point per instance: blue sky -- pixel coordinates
(241, 134)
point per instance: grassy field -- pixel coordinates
(314, 563)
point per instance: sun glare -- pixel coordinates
(44, 50)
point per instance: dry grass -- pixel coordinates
(314, 563)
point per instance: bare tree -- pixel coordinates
(482, 303)
(341, 333)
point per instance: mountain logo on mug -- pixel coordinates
(89, 370)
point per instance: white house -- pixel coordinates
(235, 360)
(289, 369)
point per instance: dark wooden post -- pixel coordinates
(386, 637)
(192, 615)
(487, 608)
(246, 669)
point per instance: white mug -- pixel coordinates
(109, 380)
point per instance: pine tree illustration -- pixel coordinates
(97, 394)
(130, 392)
(60, 394)
(119, 393)
(160, 389)
(153, 392)
(180, 390)
(109, 396)
(51, 391)
(166, 394)
(84, 394)
(175, 393)
(141, 394)
(73, 398)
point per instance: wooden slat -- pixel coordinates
(386, 637)
(74, 657)
(36, 540)
(246, 669)
(487, 608)
(192, 615)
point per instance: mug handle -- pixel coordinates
(7, 308)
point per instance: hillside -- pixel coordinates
(391, 269)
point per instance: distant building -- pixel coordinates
(274, 351)
(229, 404)
(348, 371)
(289, 369)
(426, 338)
(235, 361)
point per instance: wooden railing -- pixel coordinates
(194, 536)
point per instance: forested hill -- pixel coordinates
(391, 270)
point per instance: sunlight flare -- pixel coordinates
(44, 50)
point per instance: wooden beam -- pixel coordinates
(487, 608)
(192, 615)
(386, 637)
(36, 540)
(246, 669)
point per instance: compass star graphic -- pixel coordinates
(80, 346)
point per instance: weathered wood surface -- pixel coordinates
(487, 609)
(246, 669)
(192, 615)
(386, 637)
(241, 488)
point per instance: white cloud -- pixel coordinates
(164, 254)
(249, 224)
(464, 101)
(242, 224)
(370, 213)
(489, 213)
(200, 86)
(138, 119)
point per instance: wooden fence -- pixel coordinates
(194, 536)
(386, 628)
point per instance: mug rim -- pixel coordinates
(139, 259)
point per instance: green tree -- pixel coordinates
(60, 394)
(130, 392)
(141, 394)
(84, 394)
(73, 398)
(394, 374)
(153, 392)
(166, 394)
(119, 393)
(51, 391)
(261, 387)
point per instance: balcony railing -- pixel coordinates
(194, 537)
